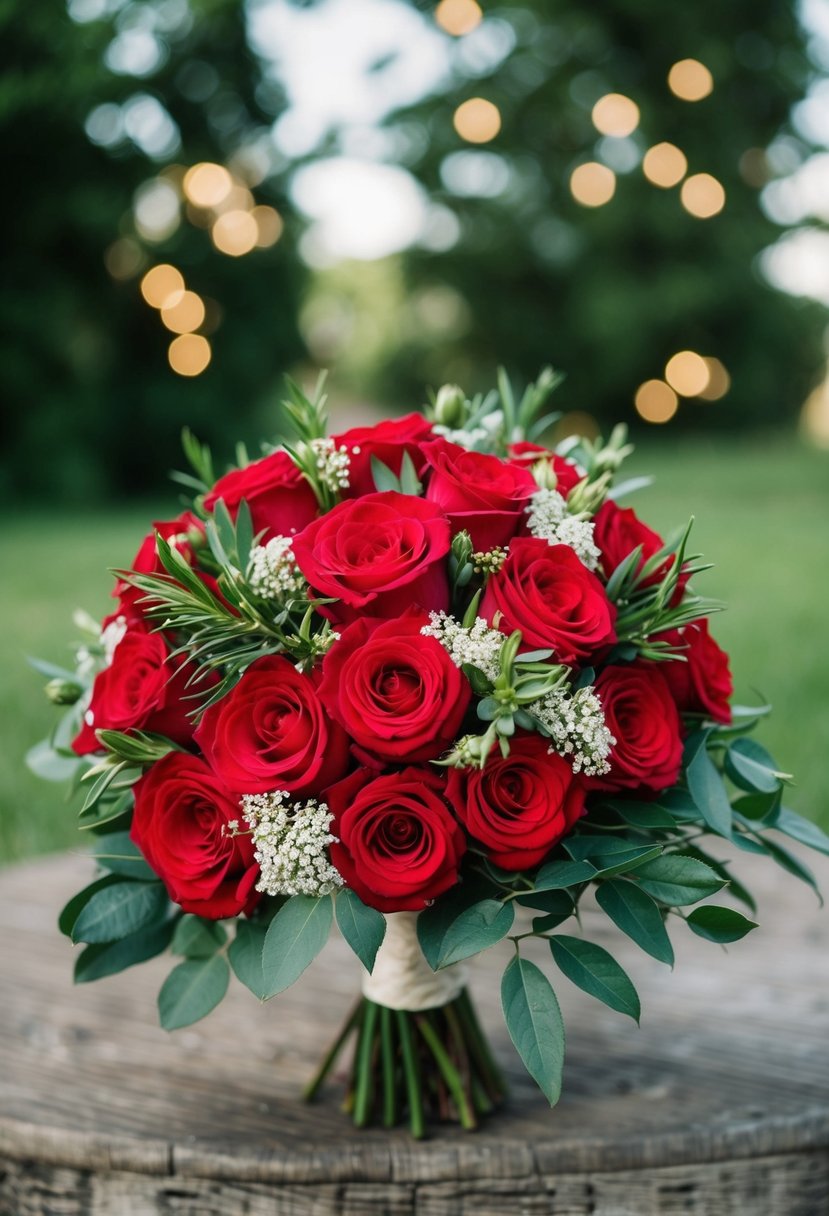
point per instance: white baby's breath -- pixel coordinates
(576, 727)
(549, 519)
(291, 842)
(272, 570)
(479, 645)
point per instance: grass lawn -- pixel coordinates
(761, 507)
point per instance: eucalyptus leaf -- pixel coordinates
(595, 971)
(718, 924)
(362, 927)
(611, 854)
(751, 768)
(117, 853)
(635, 913)
(73, 908)
(556, 875)
(118, 910)
(295, 937)
(706, 787)
(108, 958)
(445, 941)
(245, 954)
(676, 880)
(196, 937)
(535, 1025)
(803, 830)
(192, 990)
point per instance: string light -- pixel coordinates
(268, 225)
(615, 114)
(592, 184)
(235, 233)
(477, 120)
(185, 315)
(162, 286)
(656, 401)
(124, 258)
(189, 354)
(458, 17)
(664, 165)
(687, 373)
(702, 196)
(690, 80)
(719, 381)
(206, 184)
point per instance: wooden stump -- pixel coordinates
(718, 1105)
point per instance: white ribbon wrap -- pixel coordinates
(402, 979)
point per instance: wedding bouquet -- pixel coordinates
(427, 679)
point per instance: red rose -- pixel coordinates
(397, 694)
(388, 441)
(143, 688)
(640, 712)
(271, 733)
(617, 532)
(482, 494)
(178, 534)
(546, 592)
(180, 825)
(397, 844)
(280, 499)
(702, 684)
(568, 475)
(518, 807)
(383, 553)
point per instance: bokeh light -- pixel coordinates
(458, 17)
(615, 114)
(124, 258)
(702, 196)
(268, 225)
(162, 285)
(156, 209)
(690, 80)
(592, 184)
(185, 314)
(477, 120)
(235, 233)
(664, 165)
(656, 401)
(206, 184)
(719, 381)
(687, 373)
(189, 354)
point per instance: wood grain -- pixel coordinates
(719, 1105)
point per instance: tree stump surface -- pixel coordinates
(719, 1104)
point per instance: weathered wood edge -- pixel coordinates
(378, 1161)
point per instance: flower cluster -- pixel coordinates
(549, 519)
(577, 729)
(290, 843)
(272, 569)
(476, 644)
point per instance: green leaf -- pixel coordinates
(706, 787)
(245, 954)
(384, 478)
(535, 1024)
(557, 875)
(596, 972)
(647, 815)
(72, 910)
(636, 914)
(792, 864)
(196, 937)
(446, 939)
(108, 958)
(762, 808)
(363, 928)
(118, 910)
(120, 855)
(409, 480)
(49, 765)
(295, 937)
(676, 880)
(610, 854)
(556, 904)
(718, 924)
(192, 990)
(751, 768)
(801, 829)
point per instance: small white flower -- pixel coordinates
(480, 645)
(333, 463)
(575, 724)
(291, 842)
(549, 519)
(272, 570)
(111, 636)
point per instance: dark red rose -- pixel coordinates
(640, 713)
(179, 534)
(182, 810)
(567, 474)
(142, 689)
(398, 845)
(482, 494)
(518, 807)
(379, 555)
(271, 733)
(702, 684)
(387, 441)
(618, 531)
(547, 592)
(397, 694)
(280, 499)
